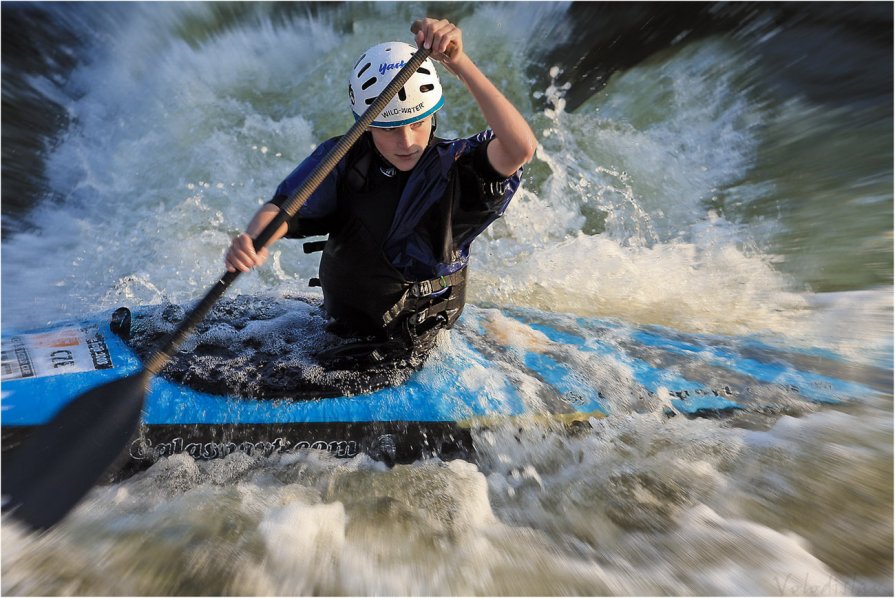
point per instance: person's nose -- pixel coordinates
(405, 137)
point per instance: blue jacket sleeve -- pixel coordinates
(312, 217)
(496, 189)
(486, 193)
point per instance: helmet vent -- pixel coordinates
(426, 87)
(423, 71)
(402, 95)
(364, 70)
(368, 83)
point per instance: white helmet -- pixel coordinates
(420, 97)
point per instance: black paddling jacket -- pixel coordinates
(398, 241)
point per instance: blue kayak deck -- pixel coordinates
(496, 364)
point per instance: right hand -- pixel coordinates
(242, 255)
(443, 38)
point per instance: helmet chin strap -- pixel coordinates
(434, 126)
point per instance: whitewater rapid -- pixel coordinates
(658, 201)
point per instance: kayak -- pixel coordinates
(248, 380)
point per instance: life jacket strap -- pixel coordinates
(419, 291)
(425, 288)
(424, 314)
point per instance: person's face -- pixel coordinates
(403, 146)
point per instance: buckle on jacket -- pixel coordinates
(422, 288)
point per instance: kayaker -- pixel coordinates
(402, 208)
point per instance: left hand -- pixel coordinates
(442, 37)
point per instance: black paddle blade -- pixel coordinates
(59, 463)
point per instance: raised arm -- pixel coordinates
(514, 143)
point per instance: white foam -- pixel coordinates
(157, 171)
(686, 285)
(304, 545)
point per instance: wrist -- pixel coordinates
(462, 67)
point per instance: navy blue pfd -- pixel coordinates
(399, 243)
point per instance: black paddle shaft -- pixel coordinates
(289, 209)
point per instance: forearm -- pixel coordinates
(262, 218)
(514, 143)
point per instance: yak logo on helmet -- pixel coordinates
(390, 66)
